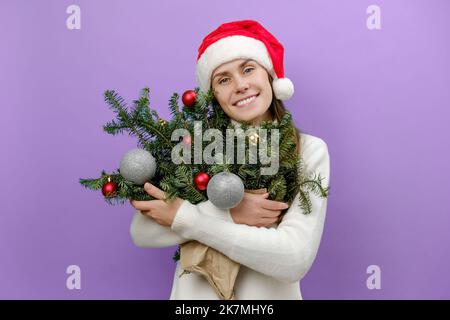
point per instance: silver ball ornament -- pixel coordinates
(138, 166)
(225, 190)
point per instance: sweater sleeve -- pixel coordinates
(285, 252)
(147, 233)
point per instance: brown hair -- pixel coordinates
(277, 110)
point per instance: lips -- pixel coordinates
(245, 101)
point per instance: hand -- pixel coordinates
(161, 211)
(257, 210)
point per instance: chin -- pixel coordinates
(246, 119)
(249, 113)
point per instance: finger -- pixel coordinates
(154, 191)
(274, 205)
(255, 197)
(269, 214)
(141, 205)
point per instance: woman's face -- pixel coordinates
(243, 90)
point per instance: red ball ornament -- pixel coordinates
(187, 140)
(189, 98)
(201, 180)
(109, 189)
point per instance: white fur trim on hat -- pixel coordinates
(283, 88)
(226, 50)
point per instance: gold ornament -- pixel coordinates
(253, 138)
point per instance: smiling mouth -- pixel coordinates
(245, 101)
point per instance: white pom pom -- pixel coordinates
(283, 88)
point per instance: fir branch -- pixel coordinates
(305, 202)
(174, 107)
(177, 180)
(278, 188)
(125, 120)
(315, 185)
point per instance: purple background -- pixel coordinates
(377, 97)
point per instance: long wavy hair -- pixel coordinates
(277, 110)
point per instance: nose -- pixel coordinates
(241, 85)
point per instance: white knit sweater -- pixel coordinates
(273, 260)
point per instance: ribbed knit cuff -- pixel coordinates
(185, 217)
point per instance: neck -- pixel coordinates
(264, 117)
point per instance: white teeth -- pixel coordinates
(248, 100)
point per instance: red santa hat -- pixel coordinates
(245, 39)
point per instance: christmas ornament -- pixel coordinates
(138, 166)
(225, 190)
(253, 138)
(162, 122)
(109, 189)
(187, 140)
(201, 180)
(189, 97)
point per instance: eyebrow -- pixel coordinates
(226, 72)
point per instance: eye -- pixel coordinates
(224, 80)
(248, 69)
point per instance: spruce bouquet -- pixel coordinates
(198, 181)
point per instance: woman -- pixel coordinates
(243, 64)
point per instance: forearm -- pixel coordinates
(147, 233)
